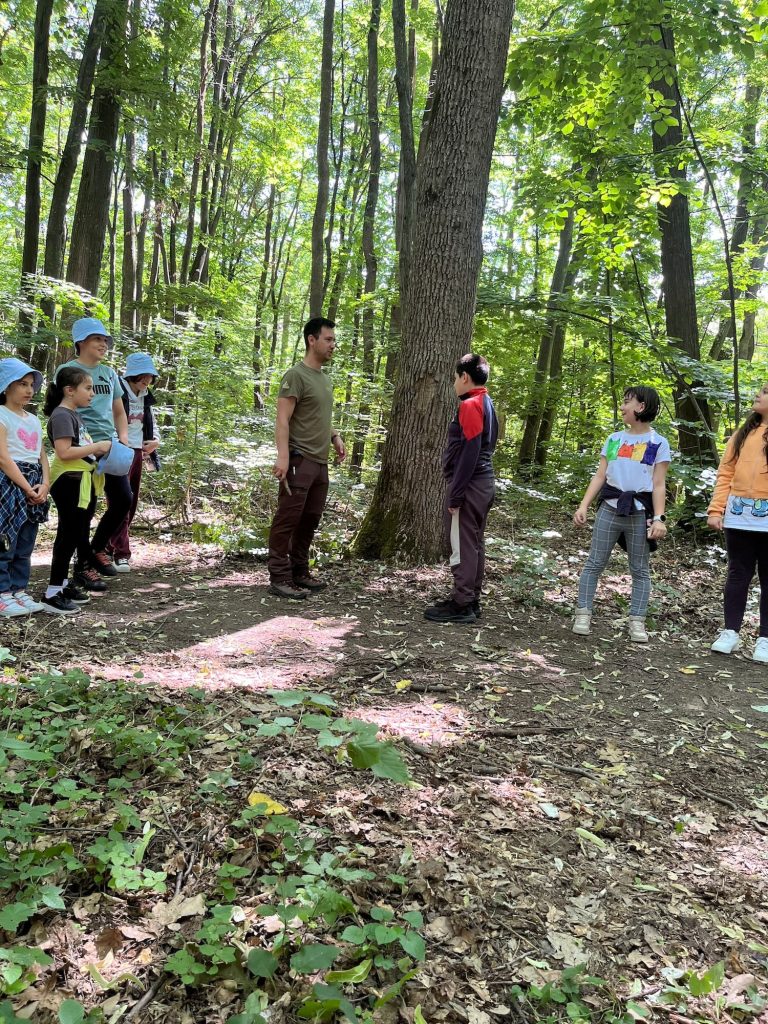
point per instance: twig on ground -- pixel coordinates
(567, 769)
(714, 797)
(512, 731)
(155, 988)
(416, 747)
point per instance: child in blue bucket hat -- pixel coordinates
(103, 418)
(143, 439)
(24, 485)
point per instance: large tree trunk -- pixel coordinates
(677, 266)
(89, 226)
(451, 187)
(35, 155)
(542, 374)
(56, 231)
(316, 284)
(369, 223)
(757, 267)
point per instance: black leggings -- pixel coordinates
(73, 527)
(119, 497)
(747, 550)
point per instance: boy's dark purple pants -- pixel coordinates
(466, 529)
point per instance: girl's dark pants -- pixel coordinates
(117, 490)
(298, 516)
(747, 550)
(120, 544)
(73, 527)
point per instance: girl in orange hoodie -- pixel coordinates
(739, 506)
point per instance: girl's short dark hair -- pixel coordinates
(650, 399)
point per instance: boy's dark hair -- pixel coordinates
(67, 377)
(476, 366)
(314, 326)
(650, 399)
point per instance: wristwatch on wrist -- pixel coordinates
(659, 519)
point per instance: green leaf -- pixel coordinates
(592, 838)
(414, 945)
(353, 933)
(25, 751)
(415, 918)
(261, 963)
(7, 1016)
(14, 915)
(352, 976)
(660, 127)
(314, 957)
(567, 129)
(71, 1012)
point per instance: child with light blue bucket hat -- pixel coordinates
(143, 441)
(24, 485)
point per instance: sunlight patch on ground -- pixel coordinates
(280, 653)
(424, 721)
(748, 855)
(424, 579)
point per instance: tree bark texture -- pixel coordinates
(40, 63)
(316, 285)
(91, 218)
(406, 180)
(677, 261)
(451, 186)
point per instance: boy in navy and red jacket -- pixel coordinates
(468, 470)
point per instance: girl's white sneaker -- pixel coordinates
(728, 642)
(761, 650)
(637, 630)
(582, 622)
(27, 602)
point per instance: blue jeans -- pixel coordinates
(15, 565)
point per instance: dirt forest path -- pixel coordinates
(577, 799)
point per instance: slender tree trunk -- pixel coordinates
(369, 223)
(538, 393)
(743, 200)
(316, 289)
(452, 183)
(261, 301)
(89, 226)
(56, 231)
(759, 242)
(199, 132)
(406, 189)
(677, 264)
(35, 146)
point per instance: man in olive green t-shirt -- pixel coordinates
(303, 435)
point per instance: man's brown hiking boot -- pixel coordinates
(288, 589)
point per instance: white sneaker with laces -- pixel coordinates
(122, 565)
(582, 622)
(761, 650)
(9, 608)
(31, 605)
(728, 642)
(637, 630)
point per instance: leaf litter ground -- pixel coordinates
(575, 800)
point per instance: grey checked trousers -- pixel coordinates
(606, 531)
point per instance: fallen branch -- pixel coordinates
(567, 769)
(511, 731)
(715, 798)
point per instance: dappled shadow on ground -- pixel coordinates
(575, 799)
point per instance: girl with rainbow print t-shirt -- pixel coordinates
(631, 483)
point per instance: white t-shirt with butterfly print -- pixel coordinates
(23, 435)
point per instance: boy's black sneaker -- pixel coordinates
(59, 605)
(75, 594)
(88, 579)
(475, 606)
(450, 612)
